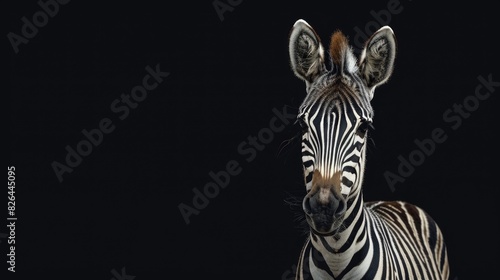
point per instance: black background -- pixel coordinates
(119, 207)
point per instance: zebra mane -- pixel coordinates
(341, 53)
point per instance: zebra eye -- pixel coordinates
(303, 124)
(363, 128)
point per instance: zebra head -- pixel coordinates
(335, 116)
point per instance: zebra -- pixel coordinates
(349, 238)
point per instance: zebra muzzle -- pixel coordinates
(323, 208)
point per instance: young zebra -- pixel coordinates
(351, 239)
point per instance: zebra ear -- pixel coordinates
(377, 58)
(306, 51)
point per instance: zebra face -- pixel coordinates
(335, 116)
(334, 121)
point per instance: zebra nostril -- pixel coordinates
(306, 205)
(313, 206)
(341, 208)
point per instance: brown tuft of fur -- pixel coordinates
(338, 47)
(318, 181)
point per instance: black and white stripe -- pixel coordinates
(350, 238)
